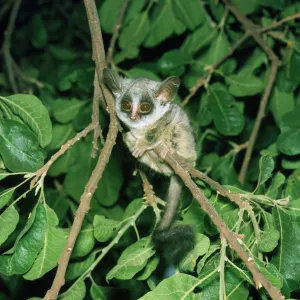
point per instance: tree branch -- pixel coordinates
(44, 169)
(259, 117)
(148, 189)
(254, 31)
(115, 35)
(7, 45)
(280, 22)
(95, 115)
(99, 57)
(204, 80)
(231, 238)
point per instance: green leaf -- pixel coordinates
(104, 229)
(38, 32)
(269, 240)
(162, 25)
(28, 247)
(129, 52)
(66, 110)
(63, 53)
(150, 267)
(140, 72)
(31, 110)
(58, 202)
(200, 38)
(235, 286)
(85, 241)
(254, 62)
(173, 61)
(19, 147)
(278, 4)
(76, 292)
(108, 190)
(109, 12)
(246, 7)
(3, 174)
(188, 263)
(191, 12)
(290, 164)
(241, 86)
(281, 103)
(271, 273)
(266, 167)
(136, 31)
(60, 135)
(195, 216)
(211, 250)
(290, 120)
(294, 208)
(286, 258)
(110, 184)
(101, 292)
(218, 48)
(5, 196)
(54, 242)
(293, 186)
(8, 223)
(177, 287)
(64, 162)
(132, 208)
(277, 181)
(289, 142)
(132, 260)
(76, 269)
(227, 118)
(204, 114)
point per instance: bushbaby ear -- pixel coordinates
(167, 90)
(112, 80)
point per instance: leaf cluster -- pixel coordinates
(113, 255)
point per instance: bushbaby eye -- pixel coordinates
(126, 105)
(145, 108)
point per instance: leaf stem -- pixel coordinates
(106, 249)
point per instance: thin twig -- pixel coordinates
(7, 44)
(148, 189)
(5, 8)
(95, 116)
(44, 169)
(99, 57)
(222, 290)
(236, 198)
(254, 31)
(115, 35)
(280, 22)
(26, 78)
(204, 80)
(231, 238)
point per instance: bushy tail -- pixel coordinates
(175, 240)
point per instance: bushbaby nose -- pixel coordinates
(134, 117)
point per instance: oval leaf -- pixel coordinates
(19, 147)
(8, 222)
(227, 118)
(33, 113)
(54, 242)
(133, 259)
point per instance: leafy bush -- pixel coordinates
(242, 95)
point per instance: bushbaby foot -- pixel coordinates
(139, 150)
(165, 151)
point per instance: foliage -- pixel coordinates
(113, 254)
